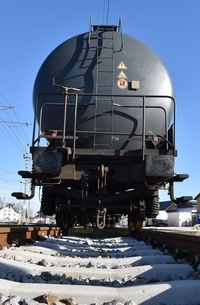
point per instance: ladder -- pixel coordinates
(102, 39)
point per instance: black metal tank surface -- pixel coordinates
(105, 61)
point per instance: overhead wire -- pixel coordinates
(23, 133)
(17, 118)
(12, 138)
(17, 137)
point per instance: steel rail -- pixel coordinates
(184, 241)
(19, 235)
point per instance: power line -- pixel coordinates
(10, 123)
(12, 138)
(11, 133)
(5, 107)
(8, 114)
(13, 122)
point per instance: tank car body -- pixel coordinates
(104, 103)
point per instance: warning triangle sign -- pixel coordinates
(122, 75)
(122, 66)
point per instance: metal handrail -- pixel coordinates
(121, 32)
(75, 131)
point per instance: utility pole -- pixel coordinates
(26, 218)
(23, 218)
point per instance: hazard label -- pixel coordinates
(122, 75)
(122, 83)
(122, 66)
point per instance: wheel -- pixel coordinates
(133, 216)
(152, 207)
(64, 220)
(48, 202)
(136, 216)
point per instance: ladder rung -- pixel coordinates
(96, 144)
(98, 47)
(105, 85)
(104, 28)
(101, 113)
(105, 57)
(103, 129)
(105, 71)
(107, 48)
(94, 48)
(104, 38)
(105, 99)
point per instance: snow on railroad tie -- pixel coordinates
(62, 248)
(26, 272)
(169, 293)
(114, 271)
(20, 255)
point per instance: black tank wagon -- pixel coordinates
(105, 104)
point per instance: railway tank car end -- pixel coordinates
(104, 103)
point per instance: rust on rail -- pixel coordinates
(21, 234)
(189, 241)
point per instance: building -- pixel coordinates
(163, 215)
(197, 198)
(9, 214)
(197, 215)
(181, 215)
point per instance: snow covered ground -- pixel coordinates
(114, 271)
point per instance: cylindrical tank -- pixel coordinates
(106, 62)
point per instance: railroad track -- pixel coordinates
(84, 270)
(180, 243)
(19, 235)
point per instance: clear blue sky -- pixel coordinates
(31, 29)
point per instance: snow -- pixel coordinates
(169, 293)
(114, 271)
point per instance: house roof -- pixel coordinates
(10, 205)
(176, 207)
(164, 205)
(197, 196)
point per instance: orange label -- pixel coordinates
(122, 83)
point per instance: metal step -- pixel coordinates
(183, 199)
(178, 178)
(19, 195)
(25, 174)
